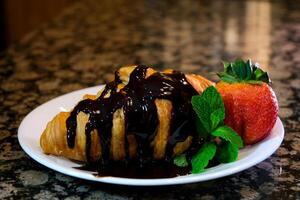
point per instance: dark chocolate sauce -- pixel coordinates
(137, 100)
(154, 169)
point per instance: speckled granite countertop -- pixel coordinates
(83, 46)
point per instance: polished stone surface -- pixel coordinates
(91, 39)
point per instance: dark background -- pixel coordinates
(18, 17)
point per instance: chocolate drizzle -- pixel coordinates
(141, 120)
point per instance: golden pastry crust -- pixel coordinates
(181, 147)
(117, 145)
(164, 110)
(54, 138)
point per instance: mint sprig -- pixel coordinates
(213, 113)
(210, 111)
(227, 152)
(228, 134)
(181, 161)
(201, 159)
(243, 71)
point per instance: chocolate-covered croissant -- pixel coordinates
(141, 115)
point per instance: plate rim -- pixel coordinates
(191, 178)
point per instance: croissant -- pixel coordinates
(141, 115)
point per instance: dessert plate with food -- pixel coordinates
(158, 128)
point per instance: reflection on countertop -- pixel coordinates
(92, 38)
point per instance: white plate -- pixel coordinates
(35, 122)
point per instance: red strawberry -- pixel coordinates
(251, 106)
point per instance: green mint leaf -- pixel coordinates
(202, 109)
(209, 107)
(228, 134)
(217, 117)
(201, 159)
(213, 97)
(180, 161)
(200, 128)
(227, 152)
